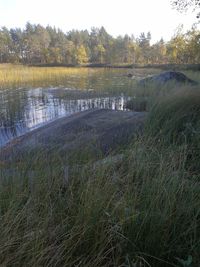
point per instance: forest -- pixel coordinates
(36, 44)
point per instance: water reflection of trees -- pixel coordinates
(24, 110)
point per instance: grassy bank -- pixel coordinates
(143, 210)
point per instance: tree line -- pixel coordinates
(36, 44)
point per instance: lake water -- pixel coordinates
(24, 109)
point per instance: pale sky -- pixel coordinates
(117, 16)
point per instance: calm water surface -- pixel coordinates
(23, 109)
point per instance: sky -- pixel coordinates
(117, 16)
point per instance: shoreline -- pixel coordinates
(195, 67)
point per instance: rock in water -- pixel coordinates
(100, 130)
(168, 76)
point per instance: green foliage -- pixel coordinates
(45, 45)
(81, 55)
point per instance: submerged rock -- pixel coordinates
(168, 76)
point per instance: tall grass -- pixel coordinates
(176, 116)
(176, 120)
(143, 210)
(15, 76)
(98, 80)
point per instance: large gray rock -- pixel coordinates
(168, 76)
(97, 130)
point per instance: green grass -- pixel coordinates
(176, 116)
(15, 76)
(145, 97)
(141, 210)
(176, 120)
(112, 81)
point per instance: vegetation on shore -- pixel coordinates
(143, 210)
(19, 76)
(36, 44)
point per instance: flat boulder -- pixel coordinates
(168, 76)
(95, 130)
